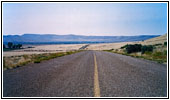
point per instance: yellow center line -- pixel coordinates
(96, 79)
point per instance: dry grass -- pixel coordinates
(156, 40)
(21, 60)
(40, 49)
(159, 53)
(107, 46)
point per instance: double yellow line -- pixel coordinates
(96, 79)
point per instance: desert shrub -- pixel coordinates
(158, 44)
(146, 48)
(165, 52)
(159, 55)
(68, 53)
(37, 61)
(148, 53)
(39, 58)
(133, 48)
(25, 56)
(23, 63)
(42, 57)
(61, 54)
(124, 46)
(108, 50)
(165, 43)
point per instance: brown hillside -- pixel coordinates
(156, 40)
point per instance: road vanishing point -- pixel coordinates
(87, 74)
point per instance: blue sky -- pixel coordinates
(109, 19)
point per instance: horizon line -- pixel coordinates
(77, 35)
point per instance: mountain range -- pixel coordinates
(70, 39)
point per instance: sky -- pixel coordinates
(98, 19)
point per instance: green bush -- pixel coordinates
(148, 53)
(165, 52)
(165, 43)
(124, 46)
(157, 54)
(146, 48)
(158, 44)
(25, 56)
(37, 61)
(133, 48)
(160, 56)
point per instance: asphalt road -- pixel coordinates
(87, 74)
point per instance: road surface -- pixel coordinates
(87, 74)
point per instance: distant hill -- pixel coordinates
(156, 40)
(65, 39)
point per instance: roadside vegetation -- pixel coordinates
(11, 46)
(18, 61)
(156, 52)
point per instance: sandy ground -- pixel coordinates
(65, 47)
(38, 49)
(157, 40)
(107, 46)
(68, 47)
